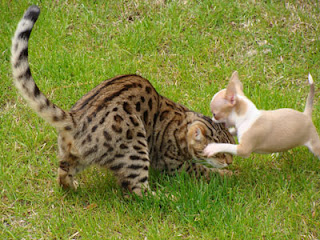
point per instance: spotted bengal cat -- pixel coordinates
(122, 124)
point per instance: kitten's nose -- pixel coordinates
(215, 120)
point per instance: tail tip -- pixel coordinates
(32, 13)
(310, 79)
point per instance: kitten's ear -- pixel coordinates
(231, 93)
(234, 76)
(234, 87)
(238, 84)
(195, 133)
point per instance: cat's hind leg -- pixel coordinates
(69, 164)
(67, 170)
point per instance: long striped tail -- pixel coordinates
(23, 78)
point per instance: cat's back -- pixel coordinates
(119, 110)
(114, 90)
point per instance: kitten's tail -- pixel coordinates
(23, 80)
(309, 104)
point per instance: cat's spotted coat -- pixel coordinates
(122, 124)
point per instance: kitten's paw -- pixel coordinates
(210, 150)
(232, 131)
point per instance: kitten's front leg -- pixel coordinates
(215, 148)
(244, 149)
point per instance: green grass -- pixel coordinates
(188, 50)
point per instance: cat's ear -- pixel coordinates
(196, 133)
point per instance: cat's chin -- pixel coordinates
(214, 162)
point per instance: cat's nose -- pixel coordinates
(229, 158)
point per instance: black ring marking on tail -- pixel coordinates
(32, 13)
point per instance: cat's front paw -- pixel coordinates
(225, 172)
(211, 150)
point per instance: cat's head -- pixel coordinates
(204, 131)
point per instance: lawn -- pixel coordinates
(188, 50)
